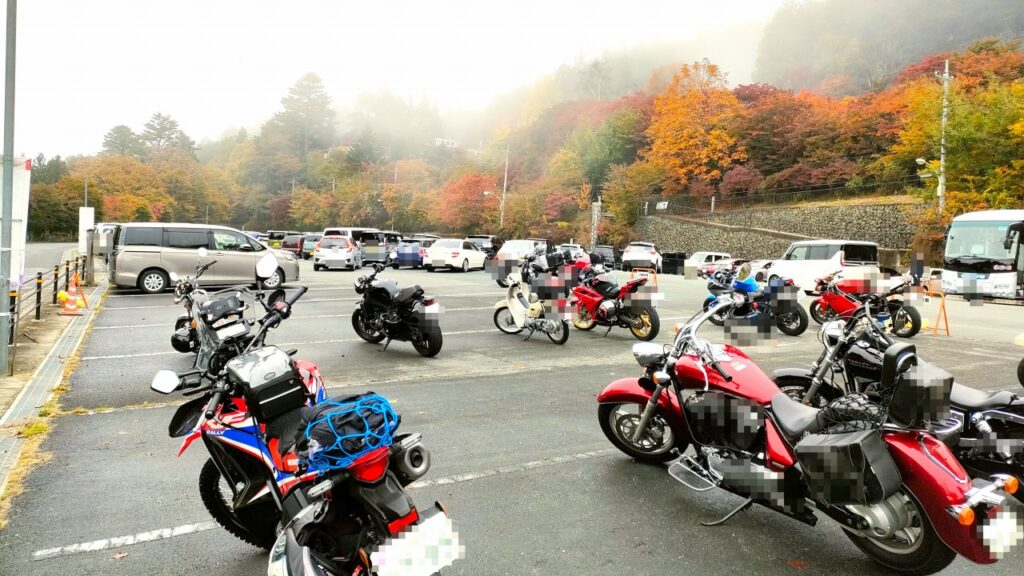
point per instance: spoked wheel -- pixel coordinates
(906, 322)
(650, 324)
(821, 316)
(582, 319)
(619, 423)
(254, 524)
(561, 333)
(428, 342)
(362, 328)
(718, 319)
(792, 323)
(504, 321)
(913, 549)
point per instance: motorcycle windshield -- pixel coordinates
(747, 285)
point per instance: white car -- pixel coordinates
(336, 252)
(577, 251)
(454, 254)
(698, 259)
(807, 260)
(641, 255)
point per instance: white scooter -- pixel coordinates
(522, 309)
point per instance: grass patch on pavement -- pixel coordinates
(34, 428)
(29, 458)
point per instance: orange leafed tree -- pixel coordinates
(689, 131)
(462, 204)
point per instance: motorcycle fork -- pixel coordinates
(645, 416)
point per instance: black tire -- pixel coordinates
(430, 341)
(275, 281)
(562, 335)
(929, 556)
(909, 326)
(394, 266)
(717, 319)
(317, 267)
(793, 323)
(153, 281)
(662, 452)
(502, 282)
(503, 321)
(583, 321)
(1020, 378)
(465, 265)
(361, 331)
(817, 315)
(429, 268)
(654, 325)
(254, 524)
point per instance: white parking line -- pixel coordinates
(346, 315)
(164, 533)
(120, 541)
(466, 295)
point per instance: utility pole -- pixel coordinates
(7, 205)
(86, 193)
(207, 213)
(940, 190)
(504, 191)
(396, 172)
(595, 219)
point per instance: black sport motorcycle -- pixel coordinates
(393, 313)
(984, 429)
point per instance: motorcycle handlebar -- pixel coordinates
(298, 294)
(721, 372)
(215, 400)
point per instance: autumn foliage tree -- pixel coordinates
(463, 206)
(689, 132)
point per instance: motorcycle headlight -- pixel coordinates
(358, 286)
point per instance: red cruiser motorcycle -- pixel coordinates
(898, 492)
(838, 298)
(598, 300)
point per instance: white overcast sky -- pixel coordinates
(87, 65)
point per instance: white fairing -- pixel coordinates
(515, 307)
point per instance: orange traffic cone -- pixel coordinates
(73, 301)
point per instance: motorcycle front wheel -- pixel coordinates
(254, 524)
(719, 318)
(650, 324)
(560, 335)
(582, 319)
(792, 323)
(428, 342)
(619, 423)
(913, 550)
(906, 321)
(504, 321)
(363, 331)
(821, 316)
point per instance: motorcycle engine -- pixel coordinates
(607, 309)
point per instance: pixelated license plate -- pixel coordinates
(421, 550)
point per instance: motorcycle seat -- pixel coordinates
(974, 399)
(606, 288)
(408, 294)
(286, 428)
(795, 418)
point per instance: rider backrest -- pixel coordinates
(898, 358)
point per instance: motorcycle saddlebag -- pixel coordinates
(848, 468)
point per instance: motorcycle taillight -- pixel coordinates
(396, 526)
(371, 467)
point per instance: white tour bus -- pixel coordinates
(983, 255)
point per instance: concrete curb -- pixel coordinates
(47, 376)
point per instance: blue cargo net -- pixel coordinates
(343, 431)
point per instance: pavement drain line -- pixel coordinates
(185, 529)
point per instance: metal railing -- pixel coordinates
(28, 300)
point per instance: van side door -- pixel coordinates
(236, 259)
(180, 253)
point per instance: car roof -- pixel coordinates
(180, 225)
(859, 242)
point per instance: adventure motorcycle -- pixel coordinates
(898, 493)
(598, 300)
(838, 298)
(396, 314)
(319, 481)
(523, 309)
(789, 317)
(984, 429)
(185, 338)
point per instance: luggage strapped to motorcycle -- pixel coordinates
(340, 431)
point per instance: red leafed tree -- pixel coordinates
(463, 206)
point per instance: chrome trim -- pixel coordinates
(965, 480)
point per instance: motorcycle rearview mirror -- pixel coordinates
(266, 267)
(202, 252)
(275, 297)
(173, 276)
(165, 382)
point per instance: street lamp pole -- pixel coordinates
(7, 202)
(504, 190)
(940, 190)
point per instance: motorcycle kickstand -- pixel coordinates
(528, 336)
(727, 517)
(386, 344)
(610, 326)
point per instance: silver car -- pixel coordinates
(337, 252)
(145, 254)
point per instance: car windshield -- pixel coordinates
(480, 241)
(332, 242)
(312, 238)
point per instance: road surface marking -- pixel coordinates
(501, 470)
(121, 541)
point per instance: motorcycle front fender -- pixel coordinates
(800, 374)
(937, 488)
(629, 391)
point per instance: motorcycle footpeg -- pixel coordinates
(691, 474)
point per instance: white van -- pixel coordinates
(807, 260)
(698, 259)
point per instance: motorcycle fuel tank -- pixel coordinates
(748, 380)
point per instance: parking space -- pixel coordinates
(518, 456)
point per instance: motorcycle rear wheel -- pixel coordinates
(582, 319)
(926, 554)
(254, 524)
(719, 318)
(358, 324)
(906, 322)
(429, 341)
(656, 447)
(503, 320)
(649, 317)
(561, 335)
(793, 323)
(1020, 372)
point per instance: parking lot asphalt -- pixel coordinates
(518, 456)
